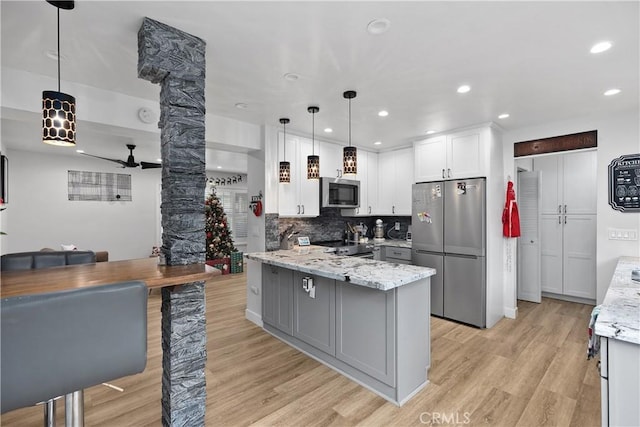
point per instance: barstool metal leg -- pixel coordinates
(50, 413)
(74, 409)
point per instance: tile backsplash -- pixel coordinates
(330, 225)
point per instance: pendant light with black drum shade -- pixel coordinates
(285, 167)
(349, 154)
(59, 109)
(313, 161)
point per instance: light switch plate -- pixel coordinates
(622, 234)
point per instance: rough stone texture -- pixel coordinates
(329, 225)
(176, 60)
(184, 343)
(272, 240)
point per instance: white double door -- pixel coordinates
(568, 223)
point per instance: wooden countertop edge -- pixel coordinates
(56, 279)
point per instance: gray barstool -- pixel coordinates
(45, 259)
(60, 343)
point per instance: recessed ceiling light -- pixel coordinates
(378, 26)
(219, 167)
(612, 92)
(600, 47)
(429, 132)
(328, 130)
(464, 89)
(80, 151)
(377, 143)
(292, 77)
(503, 116)
(383, 113)
(241, 105)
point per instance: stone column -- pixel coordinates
(176, 60)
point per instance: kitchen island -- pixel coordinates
(618, 325)
(368, 320)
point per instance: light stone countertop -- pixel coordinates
(619, 316)
(359, 271)
(393, 243)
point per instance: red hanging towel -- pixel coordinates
(510, 217)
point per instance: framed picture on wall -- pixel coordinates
(4, 179)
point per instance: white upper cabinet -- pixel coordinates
(453, 156)
(330, 159)
(301, 196)
(568, 182)
(368, 177)
(395, 178)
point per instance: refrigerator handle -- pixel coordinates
(462, 256)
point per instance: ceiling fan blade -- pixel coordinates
(148, 165)
(120, 162)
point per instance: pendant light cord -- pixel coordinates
(349, 122)
(58, 49)
(284, 143)
(313, 133)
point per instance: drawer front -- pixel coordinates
(398, 253)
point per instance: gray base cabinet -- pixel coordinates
(365, 330)
(277, 297)
(380, 339)
(314, 320)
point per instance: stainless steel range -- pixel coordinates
(364, 250)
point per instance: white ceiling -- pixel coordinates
(530, 59)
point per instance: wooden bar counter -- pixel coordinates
(39, 281)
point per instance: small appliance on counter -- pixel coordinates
(378, 232)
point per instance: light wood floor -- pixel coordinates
(526, 372)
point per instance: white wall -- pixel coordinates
(617, 135)
(40, 214)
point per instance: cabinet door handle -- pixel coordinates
(559, 209)
(443, 173)
(565, 219)
(559, 219)
(357, 211)
(298, 209)
(393, 209)
(302, 209)
(369, 209)
(448, 173)
(565, 209)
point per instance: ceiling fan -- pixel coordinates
(130, 162)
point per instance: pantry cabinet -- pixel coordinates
(301, 196)
(453, 156)
(395, 178)
(568, 223)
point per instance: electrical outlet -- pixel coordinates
(397, 226)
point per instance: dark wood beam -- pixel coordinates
(554, 144)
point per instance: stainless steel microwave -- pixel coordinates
(339, 193)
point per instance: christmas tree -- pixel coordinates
(219, 242)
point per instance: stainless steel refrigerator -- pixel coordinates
(449, 234)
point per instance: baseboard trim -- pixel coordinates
(511, 313)
(253, 317)
(569, 298)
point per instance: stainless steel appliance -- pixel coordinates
(449, 234)
(339, 193)
(363, 250)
